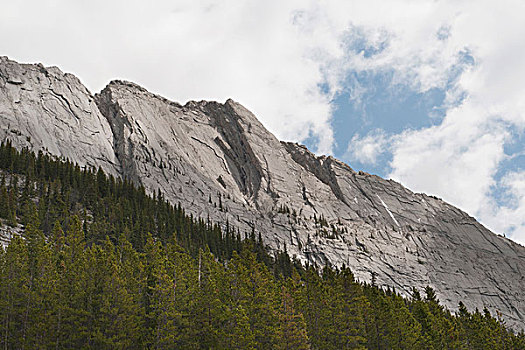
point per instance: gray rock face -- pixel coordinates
(45, 109)
(219, 161)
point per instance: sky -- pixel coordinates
(428, 93)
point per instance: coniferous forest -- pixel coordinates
(96, 263)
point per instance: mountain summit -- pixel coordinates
(219, 162)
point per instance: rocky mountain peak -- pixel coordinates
(44, 109)
(218, 161)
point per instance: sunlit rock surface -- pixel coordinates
(219, 161)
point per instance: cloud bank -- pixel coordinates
(287, 60)
(477, 56)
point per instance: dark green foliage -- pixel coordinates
(101, 265)
(106, 205)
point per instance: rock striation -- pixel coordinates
(218, 161)
(46, 109)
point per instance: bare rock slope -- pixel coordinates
(219, 161)
(46, 109)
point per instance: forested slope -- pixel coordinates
(100, 264)
(218, 161)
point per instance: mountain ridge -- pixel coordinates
(219, 161)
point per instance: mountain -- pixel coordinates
(219, 162)
(99, 264)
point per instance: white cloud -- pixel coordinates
(261, 54)
(472, 50)
(458, 160)
(455, 160)
(366, 149)
(510, 217)
(272, 56)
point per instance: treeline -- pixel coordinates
(106, 205)
(100, 264)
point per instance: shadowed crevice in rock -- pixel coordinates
(242, 162)
(321, 167)
(121, 128)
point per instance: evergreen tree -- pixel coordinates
(291, 333)
(133, 271)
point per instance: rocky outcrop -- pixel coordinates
(46, 109)
(219, 161)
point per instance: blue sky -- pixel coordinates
(429, 93)
(391, 109)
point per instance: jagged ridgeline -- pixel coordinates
(219, 162)
(94, 262)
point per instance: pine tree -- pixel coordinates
(4, 199)
(403, 329)
(207, 312)
(72, 328)
(14, 293)
(350, 314)
(260, 296)
(238, 333)
(291, 333)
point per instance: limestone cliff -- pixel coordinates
(220, 162)
(46, 109)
